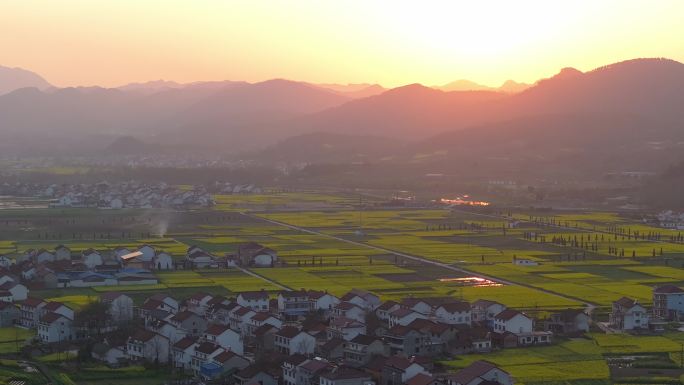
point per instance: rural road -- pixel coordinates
(589, 307)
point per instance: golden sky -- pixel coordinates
(393, 42)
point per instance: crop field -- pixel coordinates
(10, 370)
(584, 267)
(344, 248)
(282, 200)
(581, 261)
(392, 282)
(224, 281)
(9, 337)
(573, 360)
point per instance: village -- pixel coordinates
(289, 337)
(130, 194)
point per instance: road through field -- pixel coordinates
(589, 306)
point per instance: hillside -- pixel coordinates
(12, 79)
(638, 101)
(330, 148)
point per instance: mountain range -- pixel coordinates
(623, 116)
(12, 79)
(509, 86)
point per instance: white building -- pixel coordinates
(18, 291)
(224, 337)
(62, 253)
(91, 258)
(290, 340)
(513, 321)
(485, 310)
(145, 345)
(322, 300)
(454, 313)
(162, 261)
(404, 317)
(120, 306)
(148, 252)
(628, 314)
(54, 327)
(350, 310)
(255, 300)
(183, 351)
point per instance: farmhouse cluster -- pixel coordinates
(126, 195)
(629, 315)
(60, 268)
(670, 220)
(301, 337)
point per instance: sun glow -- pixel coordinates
(111, 42)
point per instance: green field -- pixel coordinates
(579, 267)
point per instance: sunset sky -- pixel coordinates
(113, 42)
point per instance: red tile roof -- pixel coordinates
(420, 379)
(473, 371)
(32, 302)
(668, 289)
(254, 295)
(184, 343)
(508, 314)
(216, 329)
(456, 307)
(50, 317)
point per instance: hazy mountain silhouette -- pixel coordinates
(193, 113)
(128, 145)
(408, 112)
(355, 91)
(152, 86)
(625, 116)
(463, 85)
(12, 79)
(327, 147)
(509, 86)
(630, 104)
(648, 87)
(243, 116)
(156, 86)
(512, 87)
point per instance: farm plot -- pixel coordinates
(594, 288)
(269, 201)
(572, 360)
(439, 250)
(384, 280)
(9, 337)
(233, 280)
(629, 344)
(389, 220)
(11, 371)
(168, 245)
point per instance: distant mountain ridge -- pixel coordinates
(12, 79)
(509, 86)
(606, 118)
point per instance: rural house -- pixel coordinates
(290, 340)
(668, 302)
(480, 372)
(628, 314)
